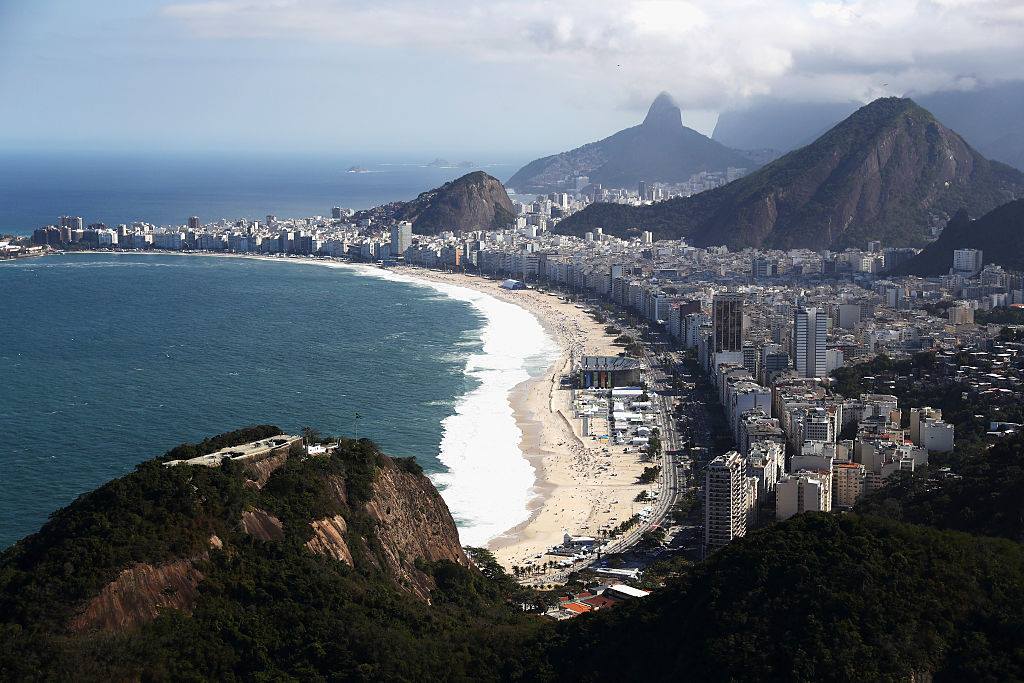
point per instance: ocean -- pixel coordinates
(108, 360)
(165, 189)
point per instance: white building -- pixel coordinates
(936, 435)
(810, 327)
(725, 501)
(401, 238)
(804, 491)
(967, 261)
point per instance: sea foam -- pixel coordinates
(489, 482)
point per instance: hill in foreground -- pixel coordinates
(347, 566)
(661, 149)
(999, 234)
(890, 172)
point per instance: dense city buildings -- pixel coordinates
(767, 327)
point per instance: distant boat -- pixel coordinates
(357, 169)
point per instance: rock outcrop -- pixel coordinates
(412, 522)
(329, 536)
(262, 525)
(259, 472)
(138, 594)
(476, 201)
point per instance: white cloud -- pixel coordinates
(711, 55)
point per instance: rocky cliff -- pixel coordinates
(148, 542)
(659, 149)
(476, 201)
(890, 171)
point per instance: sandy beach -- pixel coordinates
(583, 485)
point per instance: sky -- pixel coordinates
(459, 78)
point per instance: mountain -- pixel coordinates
(346, 566)
(291, 567)
(661, 149)
(476, 201)
(778, 124)
(889, 172)
(988, 117)
(999, 234)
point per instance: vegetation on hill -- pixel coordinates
(476, 201)
(999, 234)
(819, 597)
(264, 609)
(979, 493)
(974, 489)
(887, 172)
(838, 597)
(919, 381)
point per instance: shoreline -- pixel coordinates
(583, 485)
(580, 485)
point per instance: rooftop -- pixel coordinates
(609, 363)
(247, 452)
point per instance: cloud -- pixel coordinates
(711, 55)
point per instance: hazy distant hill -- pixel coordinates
(781, 125)
(659, 149)
(888, 172)
(991, 119)
(999, 234)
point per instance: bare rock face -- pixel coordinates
(475, 201)
(412, 522)
(329, 536)
(262, 525)
(260, 471)
(138, 594)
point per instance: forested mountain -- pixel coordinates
(999, 234)
(890, 171)
(988, 117)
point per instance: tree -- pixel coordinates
(310, 435)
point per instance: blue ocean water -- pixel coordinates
(107, 360)
(166, 189)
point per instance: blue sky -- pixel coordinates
(459, 78)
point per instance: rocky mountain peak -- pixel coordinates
(664, 113)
